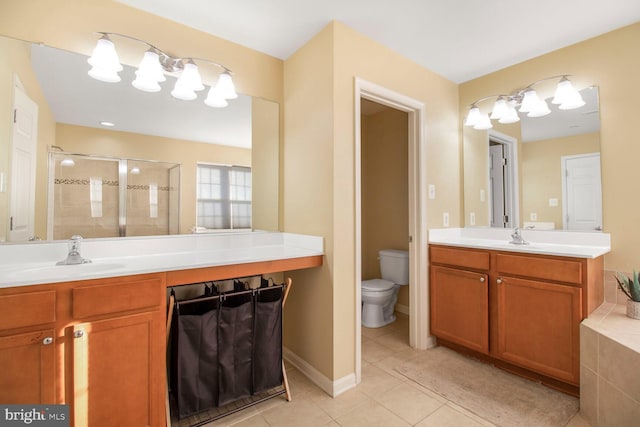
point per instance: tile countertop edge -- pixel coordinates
(556, 243)
(283, 246)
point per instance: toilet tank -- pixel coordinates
(394, 266)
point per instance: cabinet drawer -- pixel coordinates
(117, 296)
(467, 258)
(557, 269)
(26, 309)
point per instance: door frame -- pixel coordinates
(512, 191)
(417, 174)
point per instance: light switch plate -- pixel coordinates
(432, 191)
(482, 195)
(533, 216)
(553, 202)
(445, 219)
(472, 218)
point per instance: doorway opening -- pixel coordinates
(418, 298)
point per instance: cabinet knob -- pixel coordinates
(482, 280)
(78, 334)
(498, 281)
(47, 341)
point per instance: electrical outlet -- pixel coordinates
(533, 216)
(445, 219)
(472, 218)
(432, 191)
(482, 195)
(553, 202)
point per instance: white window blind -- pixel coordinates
(224, 197)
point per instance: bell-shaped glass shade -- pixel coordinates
(529, 101)
(225, 86)
(67, 162)
(190, 77)
(539, 109)
(483, 123)
(511, 115)
(182, 92)
(499, 108)
(215, 99)
(149, 72)
(472, 117)
(572, 102)
(565, 92)
(104, 61)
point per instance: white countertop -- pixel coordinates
(555, 242)
(35, 262)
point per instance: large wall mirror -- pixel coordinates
(69, 107)
(541, 173)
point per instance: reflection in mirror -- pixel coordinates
(95, 196)
(549, 178)
(148, 126)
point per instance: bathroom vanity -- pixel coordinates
(516, 306)
(95, 337)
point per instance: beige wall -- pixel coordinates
(320, 183)
(542, 174)
(385, 189)
(84, 140)
(611, 62)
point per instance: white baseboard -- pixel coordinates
(332, 388)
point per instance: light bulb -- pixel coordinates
(215, 99)
(472, 117)
(104, 61)
(225, 86)
(529, 101)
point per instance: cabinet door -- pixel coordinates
(118, 374)
(538, 326)
(460, 307)
(27, 375)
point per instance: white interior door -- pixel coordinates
(23, 167)
(497, 185)
(582, 187)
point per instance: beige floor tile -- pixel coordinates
(375, 332)
(342, 404)
(372, 351)
(302, 412)
(446, 416)
(409, 403)
(394, 341)
(371, 414)
(376, 381)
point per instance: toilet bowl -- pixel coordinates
(379, 296)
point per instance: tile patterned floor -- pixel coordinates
(383, 398)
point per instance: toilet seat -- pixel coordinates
(377, 285)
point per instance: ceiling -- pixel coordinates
(458, 39)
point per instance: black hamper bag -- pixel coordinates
(235, 330)
(267, 340)
(195, 356)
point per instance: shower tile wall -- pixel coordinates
(72, 201)
(93, 210)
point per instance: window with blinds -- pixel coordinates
(223, 197)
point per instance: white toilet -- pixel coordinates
(379, 296)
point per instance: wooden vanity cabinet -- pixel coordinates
(459, 295)
(97, 345)
(534, 305)
(116, 351)
(27, 347)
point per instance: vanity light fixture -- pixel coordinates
(67, 161)
(527, 101)
(105, 66)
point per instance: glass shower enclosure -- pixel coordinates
(96, 196)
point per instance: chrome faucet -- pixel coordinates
(517, 239)
(74, 257)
